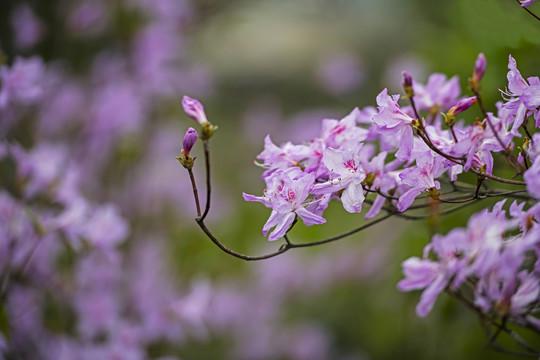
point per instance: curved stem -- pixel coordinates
(288, 245)
(344, 235)
(496, 178)
(195, 192)
(219, 244)
(208, 185)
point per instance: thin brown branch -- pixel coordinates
(208, 184)
(195, 192)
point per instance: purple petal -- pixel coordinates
(376, 207)
(353, 198)
(531, 97)
(309, 218)
(429, 296)
(516, 83)
(418, 274)
(408, 197)
(406, 145)
(273, 220)
(285, 222)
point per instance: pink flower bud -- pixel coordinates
(462, 105)
(194, 109)
(407, 84)
(189, 140)
(407, 79)
(479, 68)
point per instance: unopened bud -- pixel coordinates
(194, 109)
(407, 84)
(462, 105)
(478, 73)
(189, 140)
(479, 68)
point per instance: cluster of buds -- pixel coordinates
(195, 110)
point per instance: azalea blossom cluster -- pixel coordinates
(376, 151)
(388, 158)
(495, 258)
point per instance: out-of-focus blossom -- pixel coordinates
(88, 17)
(27, 27)
(439, 94)
(339, 73)
(106, 228)
(23, 82)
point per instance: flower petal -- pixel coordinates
(309, 218)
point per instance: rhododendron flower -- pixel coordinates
(420, 178)
(346, 172)
(344, 132)
(23, 82)
(288, 155)
(285, 194)
(438, 94)
(423, 274)
(392, 120)
(522, 96)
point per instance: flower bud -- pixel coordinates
(194, 109)
(189, 140)
(479, 68)
(407, 84)
(462, 105)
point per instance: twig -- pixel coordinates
(195, 192)
(288, 245)
(208, 185)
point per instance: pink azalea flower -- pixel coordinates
(521, 96)
(347, 173)
(392, 120)
(285, 194)
(420, 178)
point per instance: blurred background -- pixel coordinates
(88, 151)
